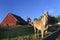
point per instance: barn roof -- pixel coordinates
(19, 19)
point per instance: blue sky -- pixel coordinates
(29, 8)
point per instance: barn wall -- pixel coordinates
(9, 21)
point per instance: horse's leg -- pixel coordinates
(35, 31)
(38, 33)
(42, 33)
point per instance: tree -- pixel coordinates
(28, 20)
(51, 19)
(58, 18)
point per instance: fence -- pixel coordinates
(53, 36)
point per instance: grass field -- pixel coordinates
(24, 32)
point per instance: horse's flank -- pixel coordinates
(38, 24)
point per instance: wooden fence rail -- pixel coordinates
(53, 36)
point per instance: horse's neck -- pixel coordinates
(43, 20)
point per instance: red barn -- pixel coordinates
(13, 20)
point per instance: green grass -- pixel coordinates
(24, 32)
(20, 32)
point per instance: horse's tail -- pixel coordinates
(46, 27)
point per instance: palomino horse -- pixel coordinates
(41, 25)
